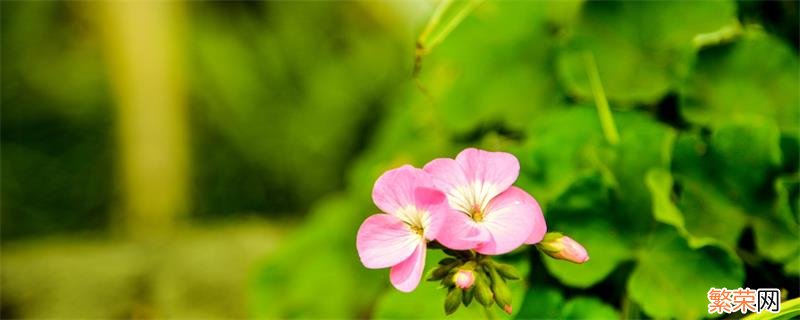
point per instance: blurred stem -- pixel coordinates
(437, 28)
(603, 110)
(142, 49)
(789, 310)
(630, 310)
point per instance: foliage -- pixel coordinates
(700, 191)
(299, 106)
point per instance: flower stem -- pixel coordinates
(603, 110)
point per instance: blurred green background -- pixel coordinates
(214, 160)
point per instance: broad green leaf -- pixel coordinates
(777, 234)
(754, 76)
(541, 303)
(659, 182)
(555, 153)
(593, 192)
(747, 151)
(792, 267)
(641, 51)
(607, 248)
(668, 267)
(722, 188)
(707, 212)
(588, 308)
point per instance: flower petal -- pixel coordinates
(539, 225)
(406, 275)
(509, 219)
(498, 169)
(451, 178)
(460, 232)
(433, 204)
(384, 240)
(396, 188)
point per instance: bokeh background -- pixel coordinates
(168, 159)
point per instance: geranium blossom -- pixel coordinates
(489, 215)
(414, 213)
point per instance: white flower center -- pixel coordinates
(472, 199)
(415, 218)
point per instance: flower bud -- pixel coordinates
(502, 295)
(482, 291)
(466, 298)
(562, 247)
(464, 279)
(506, 271)
(452, 301)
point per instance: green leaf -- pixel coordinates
(668, 267)
(541, 303)
(593, 192)
(588, 308)
(607, 248)
(776, 234)
(641, 52)
(723, 188)
(548, 303)
(755, 76)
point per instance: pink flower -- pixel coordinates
(489, 215)
(414, 213)
(464, 279)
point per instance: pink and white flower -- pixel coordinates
(414, 213)
(488, 214)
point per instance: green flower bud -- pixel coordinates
(562, 247)
(483, 293)
(452, 301)
(466, 298)
(438, 273)
(447, 261)
(506, 271)
(447, 281)
(502, 295)
(494, 275)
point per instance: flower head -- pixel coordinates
(414, 213)
(488, 214)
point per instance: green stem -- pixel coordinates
(789, 310)
(603, 110)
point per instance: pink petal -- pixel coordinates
(434, 203)
(460, 232)
(396, 188)
(539, 225)
(499, 169)
(406, 275)
(447, 174)
(384, 240)
(509, 219)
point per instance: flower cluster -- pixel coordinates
(467, 205)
